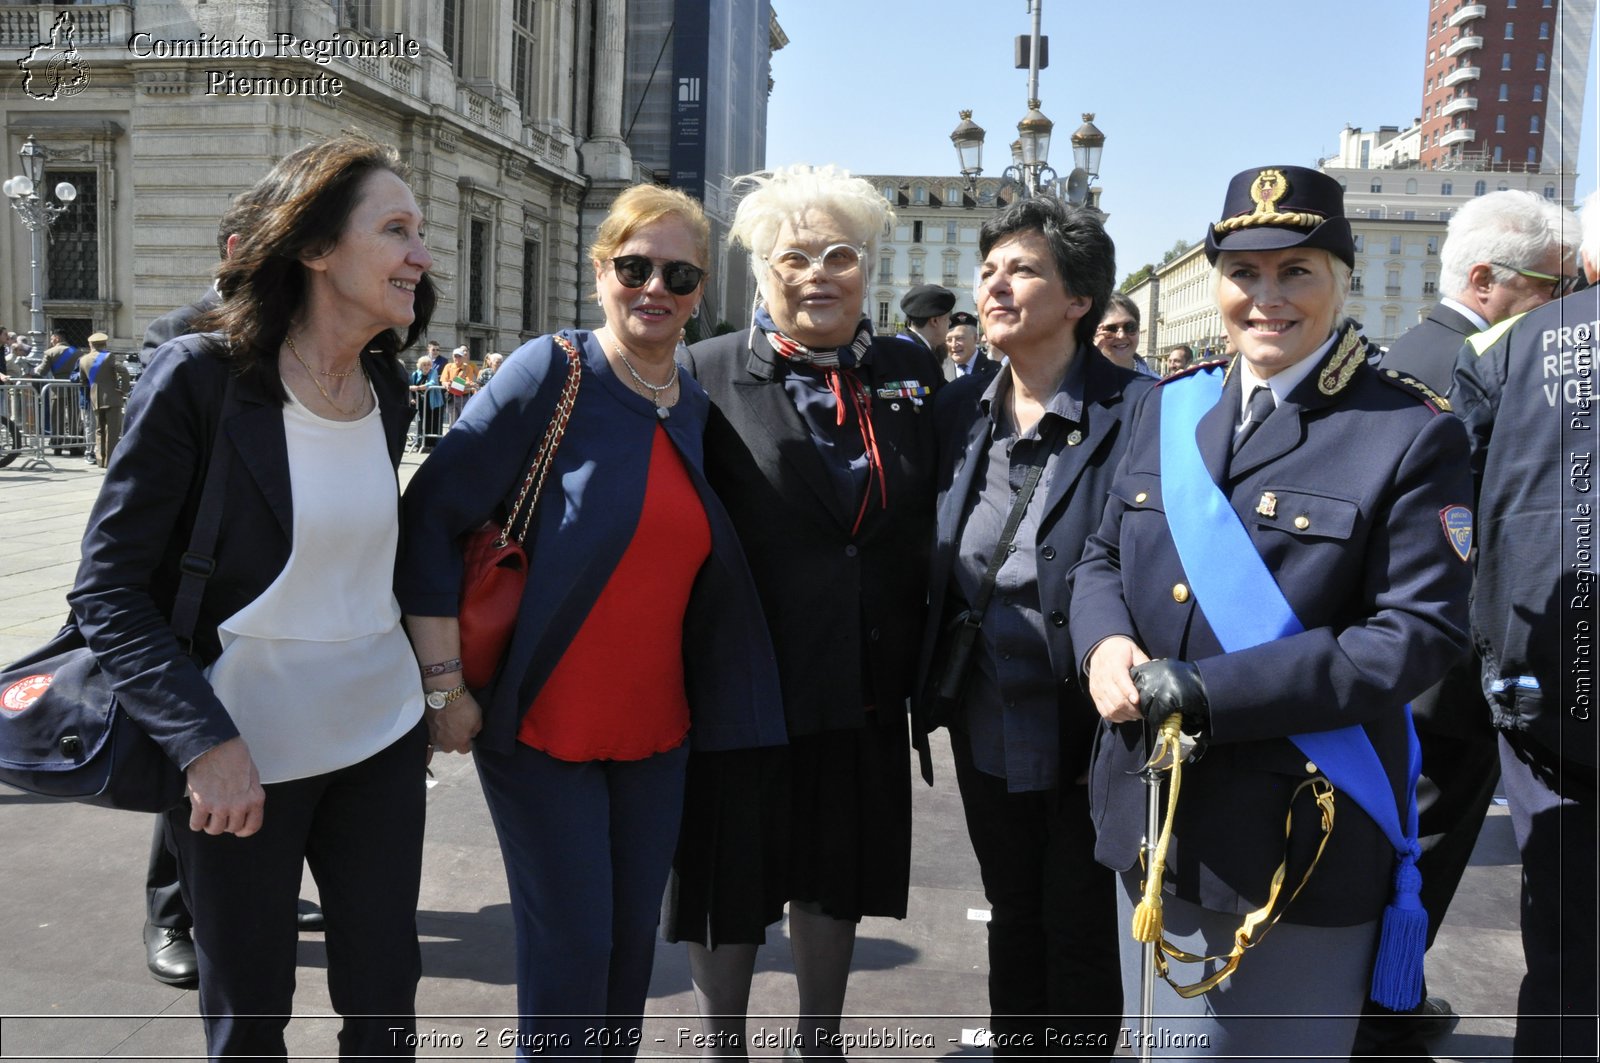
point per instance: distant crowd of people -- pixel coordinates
(1225, 651)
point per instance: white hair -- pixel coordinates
(1513, 226)
(781, 195)
(1589, 219)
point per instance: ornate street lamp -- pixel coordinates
(37, 216)
(1030, 173)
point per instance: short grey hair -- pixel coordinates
(781, 195)
(1589, 220)
(1512, 226)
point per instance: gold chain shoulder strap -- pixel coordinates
(528, 497)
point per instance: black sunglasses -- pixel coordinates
(635, 271)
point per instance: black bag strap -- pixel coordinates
(197, 564)
(980, 604)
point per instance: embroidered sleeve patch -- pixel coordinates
(1457, 521)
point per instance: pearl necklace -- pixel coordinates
(361, 400)
(662, 411)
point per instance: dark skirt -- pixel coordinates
(826, 819)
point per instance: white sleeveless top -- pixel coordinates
(317, 672)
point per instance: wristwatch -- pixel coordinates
(438, 699)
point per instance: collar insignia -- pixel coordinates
(1347, 358)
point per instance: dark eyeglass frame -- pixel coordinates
(1122, 328)
(635, 271)
(1559, 286)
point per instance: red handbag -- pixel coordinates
(495, 569)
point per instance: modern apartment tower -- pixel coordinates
(1504, 84)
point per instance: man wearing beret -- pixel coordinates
(927, 309)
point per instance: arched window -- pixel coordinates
(1538, 93)
(1538, 61)
(1411, 186)
(1550, 192)
(1480, 188)
(1448, 188)
(1505, 93)
(919, 194)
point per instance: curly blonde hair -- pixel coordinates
(776, 196)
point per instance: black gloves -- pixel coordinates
(1168, 686)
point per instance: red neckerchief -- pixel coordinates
(842, 380)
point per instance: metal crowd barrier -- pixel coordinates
(40, 416)
(429, 422)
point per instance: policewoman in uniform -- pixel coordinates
(1282, 563)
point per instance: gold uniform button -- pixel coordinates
(1311, 769)
(1141, 496)
(1180, 593)
(1302, 522)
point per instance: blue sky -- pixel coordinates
(1187, 92)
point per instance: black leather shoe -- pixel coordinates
(169, 953)
(1434, 1018)
(308, 917)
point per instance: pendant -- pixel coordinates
(663, 413)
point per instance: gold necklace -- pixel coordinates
(360, 399)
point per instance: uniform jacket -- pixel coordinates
(1073, 495)
(845, 610)
(585, 520)
(1528, 403)
(1428, 350)
(140, 526)
(1353, 534)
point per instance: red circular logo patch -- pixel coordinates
(20, 696)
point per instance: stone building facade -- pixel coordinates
(510, 114)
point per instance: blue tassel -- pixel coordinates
(1397, 972)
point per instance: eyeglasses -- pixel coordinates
(635, 271)
(1559, 286)
(1126, 329)
(793, 265)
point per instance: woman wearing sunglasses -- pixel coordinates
(821, 444)
(1117, 335)
(639, 630)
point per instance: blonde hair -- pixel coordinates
(643, 205)
(785, 194)
(1341, 270)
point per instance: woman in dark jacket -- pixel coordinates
(298, 714)
(1020, 724)
(639, 631)
(821, 442)
(1282, 564)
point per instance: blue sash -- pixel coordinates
(94, 370)
(1245, 607)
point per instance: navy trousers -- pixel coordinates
(1552, 805)
(1055, 982)
(587, 846)
(360, 831)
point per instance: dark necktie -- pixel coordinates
(1258, 409)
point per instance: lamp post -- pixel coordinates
(1030, 173)
(37, 216)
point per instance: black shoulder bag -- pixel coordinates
(62, 733)
(952, 657)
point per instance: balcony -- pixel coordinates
(1460, 74)
(1467, 14)
(1463, 44)
(1458, 136)
(1459, 104)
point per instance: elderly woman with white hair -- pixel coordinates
(821, 443)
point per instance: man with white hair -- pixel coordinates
(1504, 253)
(1526, 392)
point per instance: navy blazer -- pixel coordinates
(140, 526)
(585, 521)
(1354, 536)
(1428, 349)
(845, 610)
(1076, 484)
